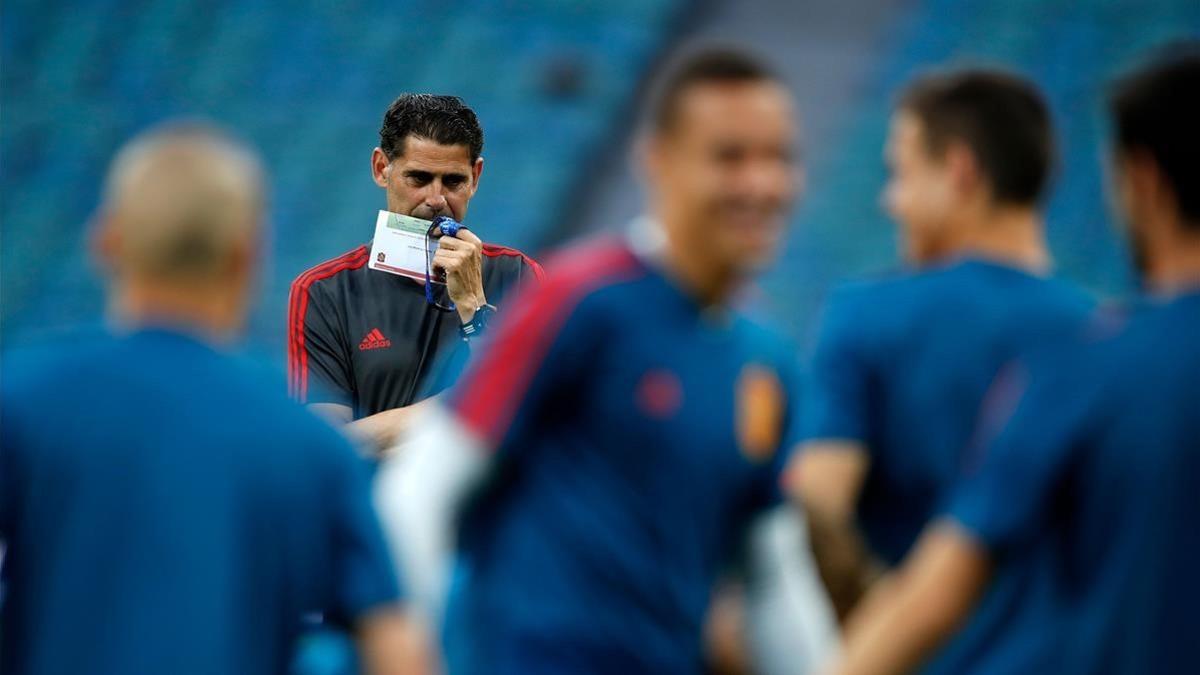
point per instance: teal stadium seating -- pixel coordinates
(1071, 48)
(552, 80)
(308, 87)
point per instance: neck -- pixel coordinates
(709, 282)
(1175, 266)
(1008, 235)
(209, 313)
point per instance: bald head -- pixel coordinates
(181, 229)
(182, 204)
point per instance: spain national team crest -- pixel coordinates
(760, 407)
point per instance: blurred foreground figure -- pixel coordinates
(903, 363)
(625, 427)
(164, 510)
(1091, 464)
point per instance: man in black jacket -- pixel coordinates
(361, 342)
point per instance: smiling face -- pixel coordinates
(725, 172)
(428, 179)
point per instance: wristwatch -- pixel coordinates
(478, 323)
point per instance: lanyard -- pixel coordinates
(448, 227)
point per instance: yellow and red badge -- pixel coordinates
(759, 414)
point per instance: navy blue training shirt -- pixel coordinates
(636, 435)
(1096, 479)
(165, 510)
(902, 365)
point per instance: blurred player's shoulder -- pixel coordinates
(863, 291)
(1128, 335)
(1101, 342)
(863, 305)
(47, 360)
(584, 276)
(1124, 341)
(957, 290)
(164, 374)
(1112, 318)
(594, 258)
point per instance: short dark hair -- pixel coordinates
(1000, 117)
(713, 65)
(442, 119)
(1156, 109)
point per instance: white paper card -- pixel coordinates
(399, 246)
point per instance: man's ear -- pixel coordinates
(1147, 198)
(963, 169)
(1147, 189)
(476, 172)
(381, 167)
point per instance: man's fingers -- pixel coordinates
(454, 258)
(442, 262)
(452, 244)
(451, 262)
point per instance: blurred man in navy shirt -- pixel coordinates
(164, 510)
(1091, 455)
(903, 362)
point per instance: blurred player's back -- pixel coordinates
(1085, 493)
(928, 346)
(1127, 543)
(1086, 497)
(165, 508)
(178, 521)
(1127, 477)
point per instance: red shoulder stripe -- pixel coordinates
(298, 365)
(293, 306)
(495, 251)
(298, 305)
(495, 387)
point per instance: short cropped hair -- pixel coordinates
(1000, 117)
(183, 195)
(442, 119)
(714, 65)
(1156, 109)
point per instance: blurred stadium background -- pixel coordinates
(555, 84)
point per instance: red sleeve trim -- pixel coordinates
(493, 391)
(495, 251)
(298, 306)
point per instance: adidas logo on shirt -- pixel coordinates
(374, 340)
